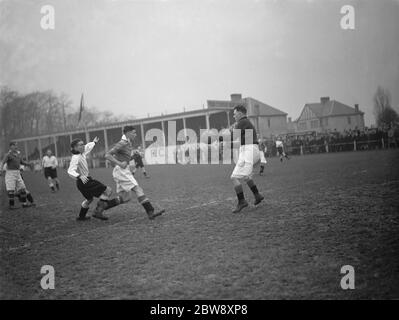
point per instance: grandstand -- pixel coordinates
(34, 147)
(217, 115)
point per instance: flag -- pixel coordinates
(81, 107)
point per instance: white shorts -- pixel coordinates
(14, 180)
(262, 157)
(247, 158)
(124, 179)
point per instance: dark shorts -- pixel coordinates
(91, 189)
(50, 173)
(138, 162)
(280, 150)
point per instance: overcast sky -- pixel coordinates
(137, 57)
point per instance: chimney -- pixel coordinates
(236, 97)
(289, 119)
(324, 99)
(356, 107)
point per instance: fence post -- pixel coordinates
(301, 150)
(327, 147)
(382, 143)
(40, 148)
(354, 145)
(106, 146)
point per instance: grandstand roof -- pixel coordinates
(265, 109)
(137, 121)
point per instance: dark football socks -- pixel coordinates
(239, 192)
(11, 200)
(113, 203)
(29, 197)
(253, 187)
(23, 197)
(148, 206)
(83, 212)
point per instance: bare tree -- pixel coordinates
(39, 113)
(65, 105)
(385, 115)
(7, 97)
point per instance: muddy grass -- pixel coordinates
(321, 212)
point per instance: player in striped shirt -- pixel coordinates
(50, 164)
(88, 187)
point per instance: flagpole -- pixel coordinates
(84, 122)
(81, 109)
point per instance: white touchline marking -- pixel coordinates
(25, 245)
(193, 207)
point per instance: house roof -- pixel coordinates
(330, 108)
(266, 109)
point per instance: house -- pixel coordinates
(329, 115)
(267, 120)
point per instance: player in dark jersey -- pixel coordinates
(13, 179)
(138, 163)
(120, 155)
(248, 156)
(28, 194)
(18, 192)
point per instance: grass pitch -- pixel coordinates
(320, 212)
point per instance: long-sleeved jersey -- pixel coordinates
(13, 159)
(78, 165)
(122, 151)
(244, 124)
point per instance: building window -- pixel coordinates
(302, 126)
(349, 120)
(314, 124)
(268, 122)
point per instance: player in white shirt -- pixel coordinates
(50, 164)
(280, 149)
(262, 153)
(88, 187)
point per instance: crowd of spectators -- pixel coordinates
(334, 141)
